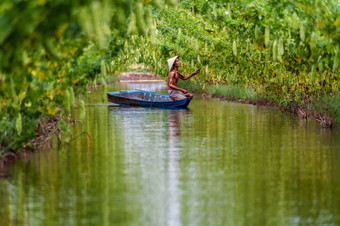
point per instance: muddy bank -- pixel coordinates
(139, 77)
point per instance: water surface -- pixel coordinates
(216, 163)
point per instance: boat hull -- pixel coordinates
(145, 99)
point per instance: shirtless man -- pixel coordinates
(176, 93)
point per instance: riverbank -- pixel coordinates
(328, 116)
(46, 130)
(325, 110)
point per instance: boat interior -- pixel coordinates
(145, 96)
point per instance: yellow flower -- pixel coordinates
(41, 76)
(51, 110)
(33, 72)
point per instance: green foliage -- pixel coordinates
(299, 66)
(18, 124)
(9, 138)
(330, 104)
(232, 92)
(52, 50)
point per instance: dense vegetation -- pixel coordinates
(287, 52)
(51, 51)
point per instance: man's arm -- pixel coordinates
(189, 76)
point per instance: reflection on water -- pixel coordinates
(175, 117)
(218, 163)
(151, 143)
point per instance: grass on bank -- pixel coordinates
(329, 106)
(230, 92)
(325, 109)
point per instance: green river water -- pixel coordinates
(217, 163)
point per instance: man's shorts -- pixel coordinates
(176, 94)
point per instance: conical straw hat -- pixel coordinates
(171, 62)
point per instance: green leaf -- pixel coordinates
(18, 124)
(132, 24)
(234, 48)
(6, 27)
(267, 37)
(171, 3)
(302, 32)
(67, 102)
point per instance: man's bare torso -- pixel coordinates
(173, 78)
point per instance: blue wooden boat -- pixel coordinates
(143, 98)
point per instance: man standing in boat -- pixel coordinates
(176, 93)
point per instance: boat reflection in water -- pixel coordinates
(175, 117)
(151, 140)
